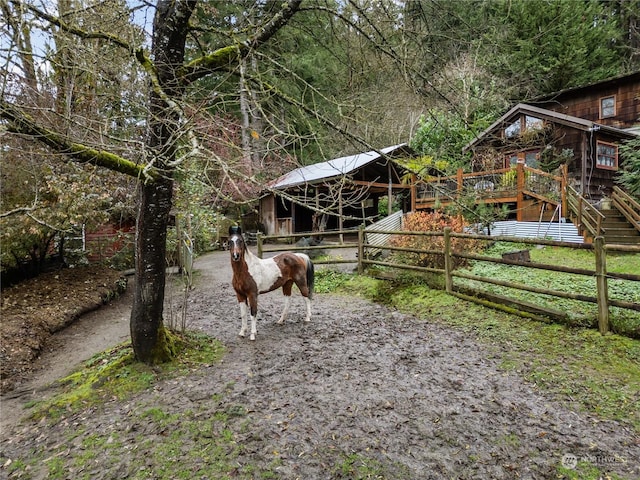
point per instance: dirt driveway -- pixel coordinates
(417, 398)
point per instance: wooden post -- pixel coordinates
(448, 267)
(563, 189)
(389, 190)
(340, 221)
(460, 182)
(180, 251)
(580, 225)
(259, 242)
(360, 249)
(601, 283)
(414, 191)
(520, 184)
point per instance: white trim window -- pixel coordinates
(607, 155)
(608, 107)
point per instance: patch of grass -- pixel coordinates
(356, 466)
(56, 467)
(114, 374)
(169, 446)
(618, 262)
(510, 440)
(579, 313)
(327, 280)
(585, 471)
(600, 373)
(193, 444)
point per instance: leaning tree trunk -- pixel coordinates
(148, 336)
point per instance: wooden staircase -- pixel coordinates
(617, 229)
(618, 223)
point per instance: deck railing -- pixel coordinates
(587, 217)
(627, 206)
(500, 185)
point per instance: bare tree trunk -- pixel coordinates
(257, 125)
(246, 123)
(148, 336)
(22, 39)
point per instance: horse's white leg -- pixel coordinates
(285, 311)
(243, 317)
(308, 303)
(254, 327)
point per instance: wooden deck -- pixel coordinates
(534, 196)
(533, 193)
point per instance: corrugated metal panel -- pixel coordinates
(330, 169)
(563, 231)
(392, 222)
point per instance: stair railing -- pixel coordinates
(588, 218)
(626, 205)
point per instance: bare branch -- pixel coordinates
(22, 124)
(224, 57)
(49, 226)
(78, 31)
(15, 211)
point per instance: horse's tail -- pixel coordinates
(310, 277)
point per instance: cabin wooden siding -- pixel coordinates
(593, 181)
(584, 102)
(570, 121)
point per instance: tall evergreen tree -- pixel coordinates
(548, 45)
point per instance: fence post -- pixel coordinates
(520, 185)
(601, 283)
(448, 279)
(259, 242)
(360, 249)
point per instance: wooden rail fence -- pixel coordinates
(600, 297)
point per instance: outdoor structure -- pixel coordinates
(339, 193)
(554, 158)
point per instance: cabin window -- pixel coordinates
(607, 156)
(513, 129)
(533, 123)
(523, 124)
(608, 107)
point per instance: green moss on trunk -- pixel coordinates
(165, 348)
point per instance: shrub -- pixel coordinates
(432, 245)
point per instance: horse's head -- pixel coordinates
(236, 243)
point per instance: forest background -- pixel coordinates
(125, 111)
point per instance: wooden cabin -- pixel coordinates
(340, 193)
(544, 157)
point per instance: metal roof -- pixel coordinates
(330, 169)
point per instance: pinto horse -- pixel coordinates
(253, 276)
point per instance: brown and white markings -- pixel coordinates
(253, 276)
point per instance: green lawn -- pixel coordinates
(624, 321)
